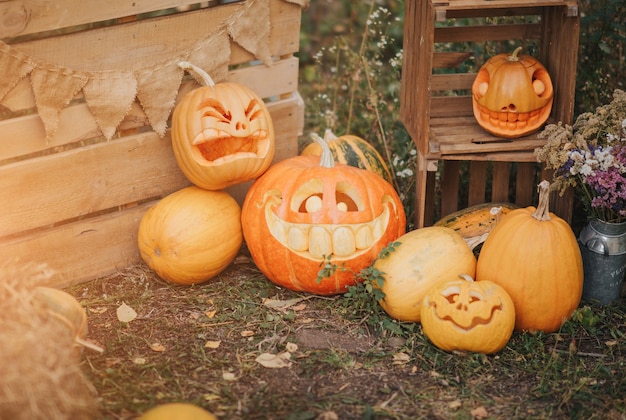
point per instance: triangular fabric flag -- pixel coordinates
(213, 56)
(251, 29)
(14, 66)
(110, 95)
(156, 90)
(54, 87)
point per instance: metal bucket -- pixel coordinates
(603, 249)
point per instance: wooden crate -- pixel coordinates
(440, 39)
(71, 196)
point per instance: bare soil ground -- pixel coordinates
(243, 348)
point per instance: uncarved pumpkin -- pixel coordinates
(351, 150)
(306, 211)
(465, 315)
(191, 235)
(533, 254)
(423, 258)
(512, 95)
(222, 134)
(177, 411)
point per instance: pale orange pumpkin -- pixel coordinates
(512, 95)
(308, 211)
(422, 258)
(534, 255)
(222, 134)
(191, 235)
(461, 314)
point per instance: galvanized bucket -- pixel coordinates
(603, 249)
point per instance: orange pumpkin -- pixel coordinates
(222, 134)
(512, 95)
(307, 211)
(462, 314)
(534, 255)
(191, 235)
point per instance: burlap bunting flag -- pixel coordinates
(110, 93)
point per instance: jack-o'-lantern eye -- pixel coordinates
(213, 108)
(254, 111)
(347, 198)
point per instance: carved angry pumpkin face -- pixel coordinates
(222, 135)
(512, 95)
(301, 214)
(466, 315)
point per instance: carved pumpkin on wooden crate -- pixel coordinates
(534, 255)
(462, 314)
(222, 134)
(306, 212)
(512, 95)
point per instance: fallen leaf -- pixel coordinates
(299, 307)
(210, 314)
(479, 412)
(229, 376)
(99, 310)
(401, 358)
(282, 304)
(454, 405)
(157, 347)
(247, 333)
(611, 343)
(274, 361)
(212, 344)
(139, 361)
(125, 313)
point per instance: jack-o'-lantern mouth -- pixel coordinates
(319, 241)
(216, 146)
(510, 119)
(465, 311)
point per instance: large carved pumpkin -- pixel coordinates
(222, 134)
(461, 314)
(512, 95)
(307, 211)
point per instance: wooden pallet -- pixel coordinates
(74, 200)
(436, 105)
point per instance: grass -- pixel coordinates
(341, 365)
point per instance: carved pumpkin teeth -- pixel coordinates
(321, 240)
(510, 120)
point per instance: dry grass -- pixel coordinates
(200, 344)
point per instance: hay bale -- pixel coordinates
(40, 373)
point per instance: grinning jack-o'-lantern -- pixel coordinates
(308, 212)
(465, 315)
(512, 95)
(222, 134)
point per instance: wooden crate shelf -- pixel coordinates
(74, 200)
(441, 40)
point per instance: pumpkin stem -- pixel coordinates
(466, 277)
(513, 56)
(542, 212)
(200, 75)
(329, 135)
(326, 157)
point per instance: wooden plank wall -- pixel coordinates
(74, 202)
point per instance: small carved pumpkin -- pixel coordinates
(512, 95)
(222, 134)
(307, 211)
(465, 315)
